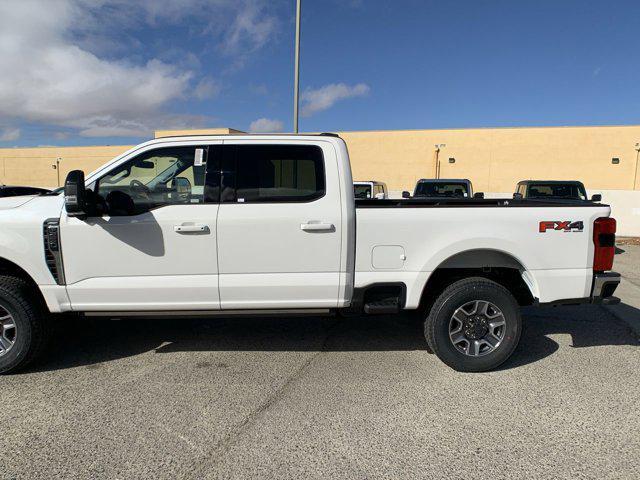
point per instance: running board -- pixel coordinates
(383, 306)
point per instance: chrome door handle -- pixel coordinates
(190, 228)
(317, 227)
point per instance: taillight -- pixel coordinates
(604, 239)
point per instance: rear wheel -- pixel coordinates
(474, 325)
(23, 325)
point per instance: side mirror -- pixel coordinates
(596, 198)
(182, 187)
(478, 195)
(379, 196)
(517, 196)
(406, 194)
(75, 195)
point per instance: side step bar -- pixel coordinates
(382, 306)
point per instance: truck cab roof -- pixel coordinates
(367, 182)
(444, 180)
(551, 182)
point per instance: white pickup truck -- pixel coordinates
(257, 224)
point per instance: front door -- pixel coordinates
(151, 244)
(279, 226)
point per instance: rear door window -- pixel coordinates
(272, 173)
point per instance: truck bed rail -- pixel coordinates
(473, 202)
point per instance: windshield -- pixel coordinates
(362, 191)
(557, 190)
(441, 189)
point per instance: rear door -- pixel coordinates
(279, 225)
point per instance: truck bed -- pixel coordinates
(406, 240)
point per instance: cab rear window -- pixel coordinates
(433, 189)
(541, 190)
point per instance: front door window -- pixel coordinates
(166, 176)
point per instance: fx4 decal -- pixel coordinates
(564, 226)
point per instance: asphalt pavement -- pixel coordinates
(325, 398)
(627, 263)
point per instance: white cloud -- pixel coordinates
(54, 71)
(9, 134)
(317, 100)
(251, 29)
(110, 127)
(266, 125)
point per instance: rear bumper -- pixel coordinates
(604, 285)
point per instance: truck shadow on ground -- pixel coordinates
(92, 341)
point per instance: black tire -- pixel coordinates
(32, 327)
(438, 324)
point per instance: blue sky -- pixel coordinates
(79, 72)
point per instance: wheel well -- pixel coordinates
(481, 258)
(9, 268)
(494, 265)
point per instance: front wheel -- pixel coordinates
(474, 325)
(23, 325)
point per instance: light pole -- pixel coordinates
(438, 146)
(296, 78)
(56, 167)
(635, 174)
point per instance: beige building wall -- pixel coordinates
(48, 166)
(494, 159)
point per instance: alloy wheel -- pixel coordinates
(8, 331)
(477, 328)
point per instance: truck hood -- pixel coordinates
(7, 203)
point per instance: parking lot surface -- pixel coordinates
(627, 263)
(323, 398)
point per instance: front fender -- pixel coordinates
(22, 245)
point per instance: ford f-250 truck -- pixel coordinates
(257, 224)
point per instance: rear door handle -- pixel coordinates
(317, 227)
(190, 228)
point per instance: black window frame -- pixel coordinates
(229, 163)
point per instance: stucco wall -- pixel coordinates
(496, 159)
(34, 166)
(625, 208)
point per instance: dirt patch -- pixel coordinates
(628, 241)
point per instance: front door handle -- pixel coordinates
(317, 227)
(198, 228)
